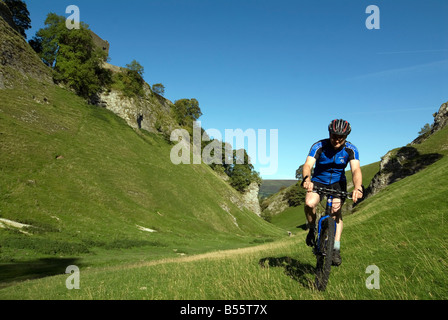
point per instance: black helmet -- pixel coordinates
(340, 127)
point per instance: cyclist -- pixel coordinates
(330, 157)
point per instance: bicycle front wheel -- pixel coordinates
(325, 254)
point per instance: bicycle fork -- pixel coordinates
(319, 226)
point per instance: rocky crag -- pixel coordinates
(150, 112)
(276, 203)
(403, 162)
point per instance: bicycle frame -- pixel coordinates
(330, 194)
(319, 225)
(326, 233)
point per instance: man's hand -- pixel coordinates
(308, 185)
(357, 194)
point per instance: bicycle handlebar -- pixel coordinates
(330, 192)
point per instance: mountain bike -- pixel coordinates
(325, 232)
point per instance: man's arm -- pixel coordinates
(306, 172)
(357, 179)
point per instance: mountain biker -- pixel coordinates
(330, 157)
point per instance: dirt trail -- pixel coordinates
(215, 255)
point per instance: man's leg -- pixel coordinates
(311, 201)
(337, 216)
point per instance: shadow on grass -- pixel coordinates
(295, 269)
(21, 271)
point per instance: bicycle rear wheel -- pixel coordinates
(325, 254)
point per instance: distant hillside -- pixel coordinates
(271, 186)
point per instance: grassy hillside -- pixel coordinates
(368, 172)
(401, 231)
(87, 184)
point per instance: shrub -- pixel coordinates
(295, 196)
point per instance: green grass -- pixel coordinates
(85, 208)
(368, 172)
(401, 230)
(292, 219)
(85, 181)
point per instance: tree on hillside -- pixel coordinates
(241, 171)
(130, 82)
(426, 128)
(295, 195)
(136, 67)
(76, 61)
(46, 40)
(299, 173)
(20, 15)
(159, 89)
(186, 111)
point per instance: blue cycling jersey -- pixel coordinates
(330, 163)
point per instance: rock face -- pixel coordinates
(150, 112)
(440, 121)
(250, 198)
(277, 203)
(401, 163)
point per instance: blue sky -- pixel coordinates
(290, 66)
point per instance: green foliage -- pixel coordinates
(241, 171)
(266, 215)
(46, 40)
(238, 167)
(186, 111)
(299, 172)
(426, 129)
(130, 81)
(76, 61)
(79, 63)
(240, 177)
(44, 246)
(20, 15)
(135, 68)
(295, 195)
(159, 89)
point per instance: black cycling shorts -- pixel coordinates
(340, 186)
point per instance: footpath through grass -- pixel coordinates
(400, 231)
(86, 212)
